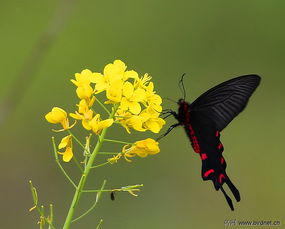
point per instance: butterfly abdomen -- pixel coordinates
(185, 120)
(193, 139)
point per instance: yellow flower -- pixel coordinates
(127, 120)
(135, 122)
(148, 119)
(143, 81)
(154, 124)
(152, 121)
(97, 125)
(84, 78)
(58, 115)
(141, 148)
(114, 91)
(66, 143)
(153, 99)
(112, 72)
(115, 71)
(84, 91)
(132, 97)
(115, 158)
(85, 104)
(130, 74)
(101, 82)
(84, 113)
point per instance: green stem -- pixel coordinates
(103, 106)
(41, 213)
(59, 165)
(74, 157)
(96, 166)
(51, 215)
(117, 141)
(98, 190)
(77, 163)
(85, 174)
(95, 203)
(109, 153)
(99, 224)
(76, 139)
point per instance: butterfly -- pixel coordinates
(205, 118)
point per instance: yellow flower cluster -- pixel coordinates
(139, 105)
(85, 92)
(135, 106)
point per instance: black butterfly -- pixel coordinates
(206, 117)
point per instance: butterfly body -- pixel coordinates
(206, 117)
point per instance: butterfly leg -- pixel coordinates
(168, 131)
(166, 116)
(168, 112)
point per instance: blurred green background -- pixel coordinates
(43, 43)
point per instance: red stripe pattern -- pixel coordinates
(208, 172)
(221, 177)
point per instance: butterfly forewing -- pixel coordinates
(225, 101)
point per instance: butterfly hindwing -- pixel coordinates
(205, 140)
(210, 147)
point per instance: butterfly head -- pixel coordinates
(183, 111)
(181, 102)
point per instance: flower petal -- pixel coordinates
(57, 115)
(86, 124)
(135, 107)
(84, 91)
(67, 155)
(130, 74)
(128, 89)
(76, 115)
(106, 123)
(139, 95)
(114, 92)
(65, 141)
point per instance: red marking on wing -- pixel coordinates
(217, 133)
(221, 178)
(203, 156)
(208, 172)
(222, 160)
(220, 146)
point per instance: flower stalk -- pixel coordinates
(84, 176)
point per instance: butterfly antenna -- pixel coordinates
(181, 86)
(229, 200)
